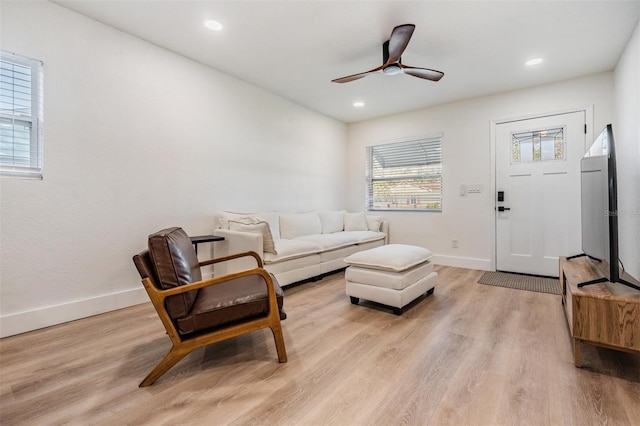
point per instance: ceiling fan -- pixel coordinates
(392, 49)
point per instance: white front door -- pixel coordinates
(538, 173)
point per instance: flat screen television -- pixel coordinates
(600, 208)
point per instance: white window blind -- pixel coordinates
(20, 116)
(405, 175)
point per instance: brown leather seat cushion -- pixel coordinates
(230, 302)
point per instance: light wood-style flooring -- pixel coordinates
(470, 354)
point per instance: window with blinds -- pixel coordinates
(405, 175)
(20, 116)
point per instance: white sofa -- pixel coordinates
(299, 246)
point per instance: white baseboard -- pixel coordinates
(463, 262)
(52, 315)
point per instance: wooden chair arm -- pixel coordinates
(163, 294)
(158, 296)
(233, 256)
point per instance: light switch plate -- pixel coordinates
(475, 188)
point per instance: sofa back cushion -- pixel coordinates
(175, 262)
(374, 222)
(332, 221)
(355, 222)
(273, 219)
(299, 224)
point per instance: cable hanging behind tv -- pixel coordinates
(599, 206)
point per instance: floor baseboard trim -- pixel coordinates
(463, 262)
(48, 316)
(58, 314)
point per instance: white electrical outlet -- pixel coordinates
(454, 243)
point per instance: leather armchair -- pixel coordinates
(197, 312)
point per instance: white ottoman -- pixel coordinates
(393, 275)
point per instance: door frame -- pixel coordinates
(588, 114)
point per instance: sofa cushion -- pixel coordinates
(277, 266)
(298, 224)
(338, 255)
(373, 223)
(273, 219)
(368, 245)
(330, 241)
(332, 221)
(392, 257)
(176, 264)
(255, 226)
(355, 222)
(363, 236)
(230, 302)
(290, 249)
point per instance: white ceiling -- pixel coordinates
(295, 48)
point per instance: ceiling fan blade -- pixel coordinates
(426, 73)
(398, 41)
(356, 76)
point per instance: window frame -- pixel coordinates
(35, 120)
(431, 148)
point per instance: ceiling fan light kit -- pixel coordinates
(392, 69)
(392, 50)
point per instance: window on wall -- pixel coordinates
(405, 175)
(20, 116)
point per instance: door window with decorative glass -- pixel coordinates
(538, 145)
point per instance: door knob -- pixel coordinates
(502, 208)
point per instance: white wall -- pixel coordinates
(626, 130)
(137, 138)
(466, 126)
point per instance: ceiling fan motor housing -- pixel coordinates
(391, 69)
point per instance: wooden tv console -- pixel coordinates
(604, 314)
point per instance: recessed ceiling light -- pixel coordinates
(358, 104)
(534, 61)
(213, 25)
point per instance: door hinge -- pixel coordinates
(585, 129)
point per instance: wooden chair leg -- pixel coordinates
(276, 329)
(169, 360)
